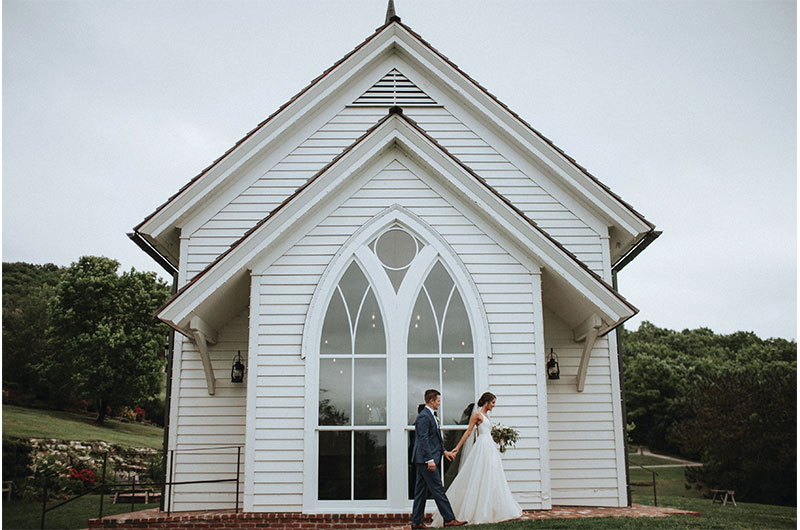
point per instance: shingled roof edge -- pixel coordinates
(528, 126)
(263, 123)
(399, 112)
(519, 212)
(286, 201)
(416, 35)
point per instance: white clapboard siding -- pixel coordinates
(583, 460)
(270, 189)
(512, 370)
(207, 426)
(279, 414)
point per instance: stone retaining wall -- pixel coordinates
(125, 461)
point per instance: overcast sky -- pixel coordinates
(686, 109)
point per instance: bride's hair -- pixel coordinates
(487, 397)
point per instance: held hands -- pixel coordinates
(450, 455)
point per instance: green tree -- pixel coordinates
(742, 421)
(106, 344)
(27, 292)
(728, 400)
(655, 390)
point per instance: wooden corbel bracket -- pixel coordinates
(587, 331)
(202, 336)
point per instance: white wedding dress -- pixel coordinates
(480, 493)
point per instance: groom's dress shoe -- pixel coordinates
(416, 526)
(454, 522)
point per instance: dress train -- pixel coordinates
(480, 492)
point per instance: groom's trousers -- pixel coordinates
(429, 481)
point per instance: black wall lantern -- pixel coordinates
(552, 366)
(237, 370)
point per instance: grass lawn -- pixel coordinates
(670, 481)
(38, 423)
(672, 492)
(25, 515)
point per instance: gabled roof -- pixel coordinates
(228, 270)
(158, 227)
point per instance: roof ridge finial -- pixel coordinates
(391, 15)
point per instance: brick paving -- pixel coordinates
(572, 512)
(154, 519)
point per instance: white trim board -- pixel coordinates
(396, 132)
(390, 39)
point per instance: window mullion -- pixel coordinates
(349, 318)
(352, 464)
(444, 315)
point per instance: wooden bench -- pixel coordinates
(7, 488)
(144, 496)
(722, 496)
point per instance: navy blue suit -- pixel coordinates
(428, 445)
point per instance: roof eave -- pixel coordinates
(617, 306)
(618, 211)
(168, 213)
(156, 223)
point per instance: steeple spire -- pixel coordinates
(391, 16)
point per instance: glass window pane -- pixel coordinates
(336, 328)
(396, 277)
(456, 334)
(439, 285)
(423, 337)
(370, 465)
(334, 391)
(370, 337)
(353, 285)
(334, 465)
(458, 389)
(396, 248)
(370, 392)
(423, 374)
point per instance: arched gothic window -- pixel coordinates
(352, 393)
(374, 368)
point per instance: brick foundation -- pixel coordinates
(228, 519)
(155, 520)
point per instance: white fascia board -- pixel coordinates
(174, 213)
(308, 122)
(550, 255)
(531, 166)
(509, 126)
(274, 228)
(394, 130)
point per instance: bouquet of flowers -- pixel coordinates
(505, 436)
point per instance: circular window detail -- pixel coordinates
(396, 249)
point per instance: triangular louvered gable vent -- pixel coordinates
(394, 89)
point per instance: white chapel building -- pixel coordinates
(393, 227)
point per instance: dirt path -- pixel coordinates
(679, 462)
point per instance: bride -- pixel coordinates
(480, 493)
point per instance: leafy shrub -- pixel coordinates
(155, 468)
(127, 415)
(17, 464)
(53, 475)
(154, 407)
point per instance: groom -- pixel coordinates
(428, 450)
